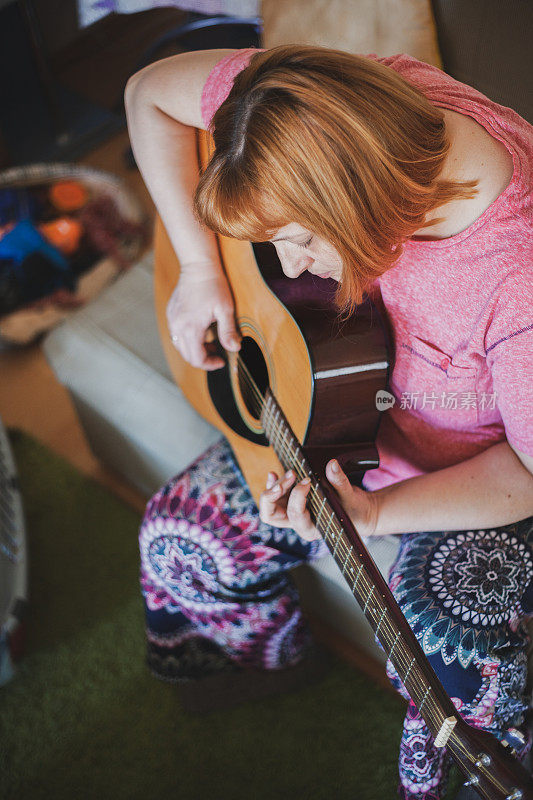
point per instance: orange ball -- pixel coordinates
(64, 233)
(68, 195)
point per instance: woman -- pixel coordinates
(399, 182)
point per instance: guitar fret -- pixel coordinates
(292, 453)
(264, 415)
(408, 671)
(368, 599)
(380, 620)
(395, 642)
(286, 450)
(357, 577)
(424, 698)
(267, 415)
(328, 526)
(277, 435)
(322, 505)
(348, 554)
(295, 455)
(276, 424)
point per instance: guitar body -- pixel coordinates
(325, 375)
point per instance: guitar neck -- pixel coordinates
(363, 577)
(494, 772)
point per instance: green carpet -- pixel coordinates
(84, 719)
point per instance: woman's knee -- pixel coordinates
(463, 595)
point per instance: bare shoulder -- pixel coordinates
(482, 156)
(474, 155)
(175, 84)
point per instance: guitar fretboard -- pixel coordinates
(353, 559)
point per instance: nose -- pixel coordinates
(293, 262)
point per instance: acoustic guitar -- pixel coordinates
(302, 390)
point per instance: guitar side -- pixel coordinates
(281, 341)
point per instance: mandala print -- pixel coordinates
(462, 592)
(214, 577)
(467, 597)
(217, 598)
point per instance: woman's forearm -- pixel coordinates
(491, 489)
(165, 152)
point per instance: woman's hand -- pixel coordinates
(283, 504)
(197, 302)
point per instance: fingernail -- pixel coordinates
(289, 474)
(305, 482)
(334, 466)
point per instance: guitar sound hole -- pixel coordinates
(253, 376)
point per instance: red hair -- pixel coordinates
(335, 142)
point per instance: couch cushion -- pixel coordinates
(384, 27)
(109, 356)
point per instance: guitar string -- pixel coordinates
(435, 716)
(433, 711)
(458, 745)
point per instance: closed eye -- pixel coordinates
(305, 244)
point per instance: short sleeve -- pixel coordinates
(220, 80)
(509, 353)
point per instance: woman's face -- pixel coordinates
(299, 250)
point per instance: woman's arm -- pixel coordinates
(163, 109)
(491, 489)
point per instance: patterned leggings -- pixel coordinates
(218, 597)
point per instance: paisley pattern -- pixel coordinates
(213, 576)
(467, 595)
(218, 598)
(423, 767)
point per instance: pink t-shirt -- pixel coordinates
(459, 309)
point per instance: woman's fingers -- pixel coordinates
(271, 480)
(272, 505)
(227, 331)
(297, 513)
(196, 352)
(361, 506)
(195, 304)
(284, 504)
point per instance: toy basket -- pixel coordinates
(78, 251)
